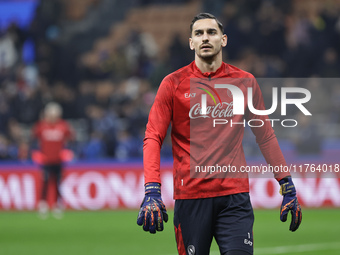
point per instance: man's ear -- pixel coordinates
(191, 45)
(224, 40)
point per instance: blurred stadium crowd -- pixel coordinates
(102, 61)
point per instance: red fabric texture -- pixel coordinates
(52, 138)
(179, 240)
(191, 144)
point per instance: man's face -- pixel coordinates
(52, 115)
(207, 39)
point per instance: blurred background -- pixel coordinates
(103, 60)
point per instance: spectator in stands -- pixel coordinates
(4, 114)
(335, 104)
(127, 146)
(26, 105)
(4, 148)
(18, 36)
(94, 149)
(330, 65)
(8, 53)
(306, 138)
(103, 125)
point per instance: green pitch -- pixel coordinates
(116, 233)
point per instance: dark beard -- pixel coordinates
(210, 58)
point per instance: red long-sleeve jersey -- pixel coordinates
(196, 141)
(52, 138)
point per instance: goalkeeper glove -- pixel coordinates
(152, 211)
(290, 203)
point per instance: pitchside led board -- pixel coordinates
(304, 110)
(116, 186)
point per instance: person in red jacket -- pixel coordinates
(208, 204)
(52, 133)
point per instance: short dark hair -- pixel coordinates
(206, 15)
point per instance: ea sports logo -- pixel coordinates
(191, 250)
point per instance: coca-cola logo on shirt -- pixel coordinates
(220, 110)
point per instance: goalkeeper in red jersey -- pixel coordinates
(208, 205)
(52, 133)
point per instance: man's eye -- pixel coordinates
(198, 33)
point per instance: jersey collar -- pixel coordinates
(218, 73)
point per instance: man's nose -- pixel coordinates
(205, 37)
